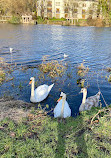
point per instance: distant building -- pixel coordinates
(26, 18)
(76, 9)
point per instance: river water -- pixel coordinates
(31, 42)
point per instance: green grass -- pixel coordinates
(44, 21)
(14, 20)
(57, 19)
(41, 21)
(42, 136)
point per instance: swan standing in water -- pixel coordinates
(11, 50)
(40, 93)
(62, 109)
(90, 102)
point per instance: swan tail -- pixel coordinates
(50, 87)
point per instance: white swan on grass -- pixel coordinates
(90, 102)
(40, 93)
(62, 109)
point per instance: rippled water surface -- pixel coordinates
(32, 42)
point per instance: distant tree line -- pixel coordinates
(104, 7)
(17, 7)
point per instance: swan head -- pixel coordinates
(63, 95)
(31, 80)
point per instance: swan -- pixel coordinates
(11, 49)
(65, 55)
(40, 93)
(62, 109)
(90, 102)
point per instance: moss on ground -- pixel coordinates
(40, 135)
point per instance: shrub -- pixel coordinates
(15, 20)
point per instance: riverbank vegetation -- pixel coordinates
(18, 7)
(82, 70)
(52, 68)
(105, 7)
(5, 70)
(40, 20)
(109, 75)
(2, 73)
(40, 135)
(15, 20)
(2, 76)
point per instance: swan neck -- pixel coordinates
(32, 88)
(62, 110)
(84, 97)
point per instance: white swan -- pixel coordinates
(11, 49)
(62, 109)
(90, 102)
(65, 55)
(40, 93)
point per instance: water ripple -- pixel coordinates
(32, 42)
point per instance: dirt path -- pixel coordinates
(14, 109)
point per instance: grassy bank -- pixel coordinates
(14, 20)
(39, 135)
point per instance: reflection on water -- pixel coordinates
(32, 42)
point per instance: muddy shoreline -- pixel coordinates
(14, 109)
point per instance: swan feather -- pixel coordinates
(90, 102)
(66, 112)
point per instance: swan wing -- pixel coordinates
(86, 106)
(41, 93)
(67, 110)
(58, 108)
(92, 101)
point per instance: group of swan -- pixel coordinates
(62, 108)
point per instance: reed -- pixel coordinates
(52, 68)
(109, 78)
(2, 76)
(82, 70)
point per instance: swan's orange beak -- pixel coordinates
(59, 99)
(30, 82)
